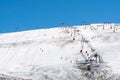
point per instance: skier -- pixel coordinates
(73, 38)
(103, 27)
(80, 51)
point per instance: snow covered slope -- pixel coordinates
(50, 54)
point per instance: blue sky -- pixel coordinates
(31, 14)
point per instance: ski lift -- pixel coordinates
(91, 61)
(94, 60)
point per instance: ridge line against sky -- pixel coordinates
(32, 14)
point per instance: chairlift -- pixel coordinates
(90, 62)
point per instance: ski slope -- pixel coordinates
(50, 54)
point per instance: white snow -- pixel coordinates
(49, 54)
